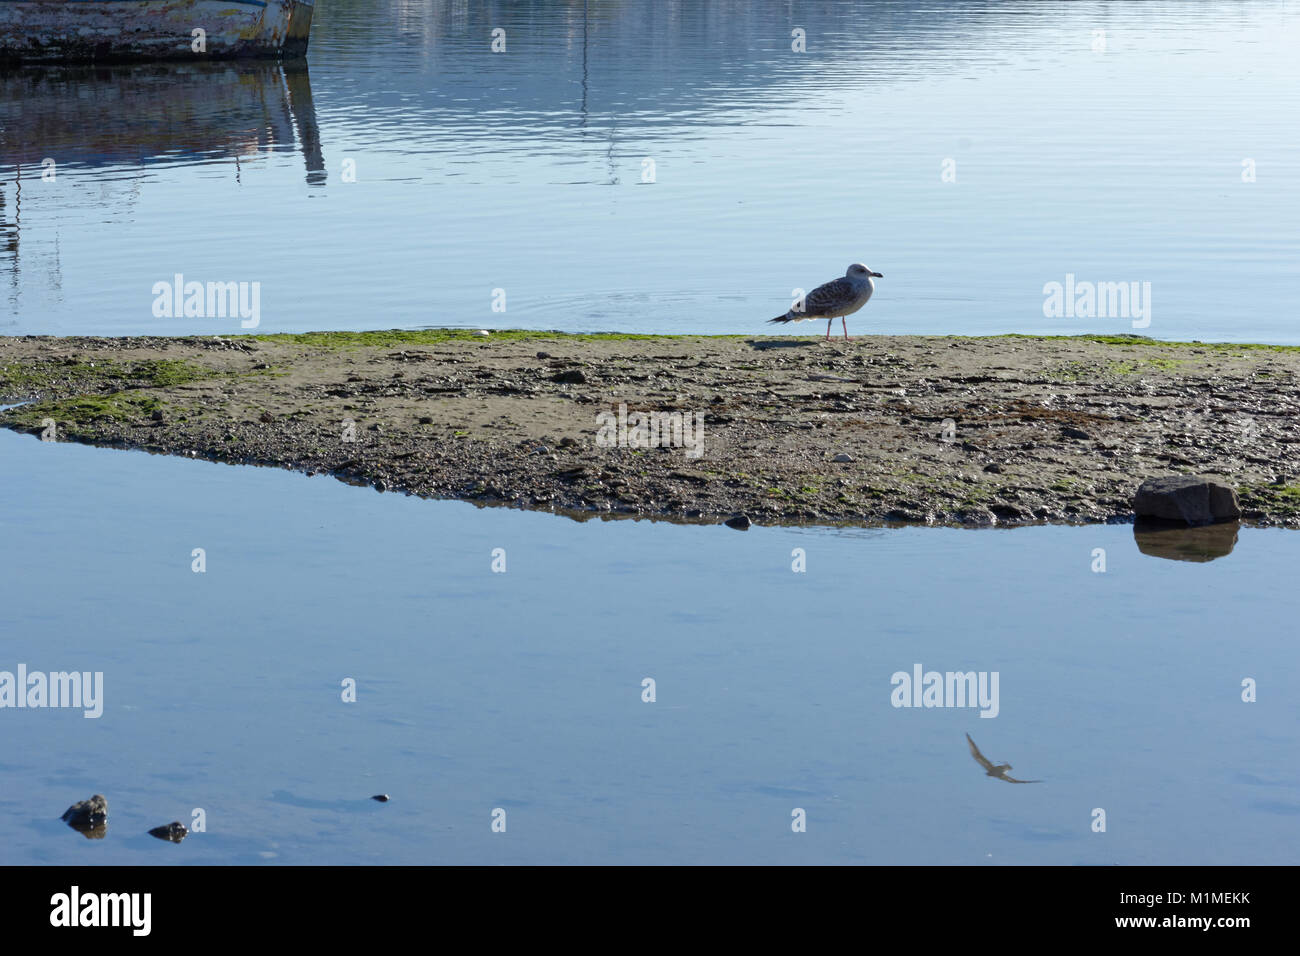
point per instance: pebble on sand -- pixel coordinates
(574, 376)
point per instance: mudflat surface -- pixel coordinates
(969, 431)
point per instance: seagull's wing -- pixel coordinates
(828, 296)
(1014, 780)
(982, 760)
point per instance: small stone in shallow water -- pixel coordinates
(173, 832)
(88, 816)
(739, 522)
(381, 797)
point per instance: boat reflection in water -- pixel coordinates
(118, 122)
(157, 113)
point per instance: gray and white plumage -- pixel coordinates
(999, 771)
(835, 299)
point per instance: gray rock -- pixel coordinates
(381, 797)
(1192, 499)
(739, 522)
(173, 832)
(572, 377)
(88, 816)
(842, 456)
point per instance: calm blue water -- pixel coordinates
(522, 690)
(522, 171)
(1114, 157)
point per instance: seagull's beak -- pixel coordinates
(878, 275)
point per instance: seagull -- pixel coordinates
(1000, 771)
(839, 297)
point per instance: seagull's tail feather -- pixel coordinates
(785, 318)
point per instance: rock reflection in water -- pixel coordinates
(1177, 542)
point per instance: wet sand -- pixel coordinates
(1002, 430)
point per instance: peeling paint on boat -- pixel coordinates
(45, 31)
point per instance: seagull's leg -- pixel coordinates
(828, 329)
(845, 320)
